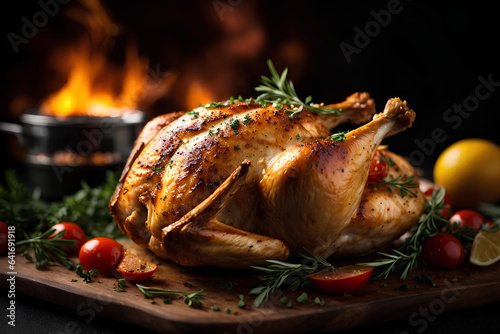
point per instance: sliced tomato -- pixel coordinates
(446, 211)
(378, 169)
(135, 269)
(467, 217)
(342, 279)
(73, 232)
(442, 250)
(100, 253)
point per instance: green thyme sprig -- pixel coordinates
(403, 184)
(278, 91)
(47, 250)
(291, 275)
(192, 298)
(407, 256)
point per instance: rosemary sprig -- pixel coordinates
(292, 275)
(192, 298)
(339, 136)
(403, 184)
(279, 91)
(407, 256)
(47, 250)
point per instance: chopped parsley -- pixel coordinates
(194, 113)
(234, 124)
(246, 119)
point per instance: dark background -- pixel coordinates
(430, 54)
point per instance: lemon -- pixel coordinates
(485, 248)
(469, 170)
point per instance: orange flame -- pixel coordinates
(96, 87)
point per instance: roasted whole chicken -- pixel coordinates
(237, 184)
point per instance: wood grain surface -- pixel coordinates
(376, 302)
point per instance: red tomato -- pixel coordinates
(342, 279)
(135, 269)
(446, 211)
(469, 218)
(103, 254)
(442, 250)
(3, 238)
(378, 169)
(73, 232)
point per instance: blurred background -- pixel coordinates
(165, 56)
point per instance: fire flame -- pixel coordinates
(95, 86)
(90, 89)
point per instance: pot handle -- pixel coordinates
(13, 128)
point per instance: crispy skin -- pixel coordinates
(184, 193)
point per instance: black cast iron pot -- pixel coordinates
(55, 154)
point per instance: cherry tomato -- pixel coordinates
(442, 250)
(446, 211)
(341, 280)
(103, 254)
(378, 169)
(135, 269)
(73, 232)
(469, 218)
(3, 238)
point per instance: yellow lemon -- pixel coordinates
(485, 248)
(469, 170)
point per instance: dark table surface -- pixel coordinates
(36, 316)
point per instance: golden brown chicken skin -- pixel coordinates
(236, 185)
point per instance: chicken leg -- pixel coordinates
(311, 191)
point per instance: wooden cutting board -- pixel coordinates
(377, 301)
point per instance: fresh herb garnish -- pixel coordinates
(425, 279)
(241, 303)
(237, 147)
(246, 119)
(279, 91)
(86, 275)
(407, 256)
(286, 301)
(319, 301)
(302, 298)
(234, 124)
(192, 298)
(339, 136)
(227, 285)
(215, 308)
(157, 169)
(214, 105)
(194, 113)
(47, 250)
(292, 275)
(122, 283)
(403, 184)
(88, 208)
